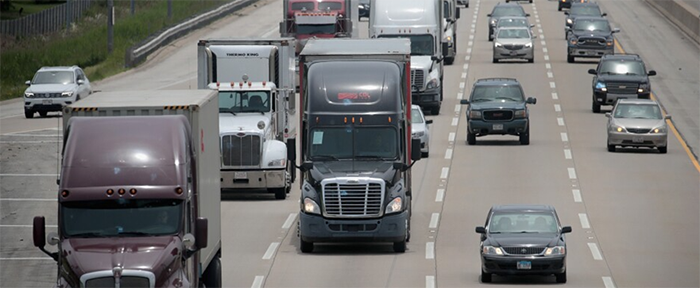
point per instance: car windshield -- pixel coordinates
(121, 217)
(308, 29)
(523, 222)
(622, 68)
(499, 93)
(501, 11)
(637, 111)
(416, 116)
(585, 10)
(511, 22)
(420, 44)
(353, 142)
(332, 6)
(513, 34)
(592, 25)
(303, 6)
(53, 77)
(246, 101)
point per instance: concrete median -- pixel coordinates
(683, 14)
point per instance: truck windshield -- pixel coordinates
(330, 6)
(121, 218)
(592, 25)
(497, 93)
(246, 101)
(421, 45)
(353, 143)
(53, 77)
(316, 29)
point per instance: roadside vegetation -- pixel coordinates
(13, 9)
(85, 42)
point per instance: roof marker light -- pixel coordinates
(132, 191)
(65, 193)
(121, 191)
(110, 192)
(178, 190)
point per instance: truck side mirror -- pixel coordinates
(306, 166)
(592, 71)
(39, 231)
(531, 100)
(607, 114)
(566, 229)
(480, 230)
(464, 102)
(201, 232)
(457, 13)
(651, 73)
(566, 12)
(415, 149)
(445, 46)
(292, 150)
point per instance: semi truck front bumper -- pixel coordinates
(316, 228)
(253, 179)
(427, 98)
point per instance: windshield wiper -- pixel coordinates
(375, 157)
(506, 98)
(136, 233)
(481, 100)
(87, 235)
(324, 157)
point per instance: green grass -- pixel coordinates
(85, 44)
(28, 7)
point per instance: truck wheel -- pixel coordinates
(485, 277)
(280, 193)
(29, 114)
(471, 138)
(570, 59)
(561, 277)
(43, 113)
(306, 247)
(212, 276)
(525, 137)
(595, 107)
(400, 247)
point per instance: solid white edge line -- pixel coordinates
(271, 250)
(584, 221)
(268, 33)
(564, 137)
(595, 251)
(451, 137)
(429, 281)
(567, 154)
(430, 250)
(445, 172)
(608, 282)
(448, 153)
(577, 195)
(440, 195)
(572, 173)
(290, 220)
(258, 282)
(434, 220)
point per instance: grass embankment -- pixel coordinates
(85, 44)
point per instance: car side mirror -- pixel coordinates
(488, 15)
(80, 81)
(651, 73)
(531, 100)
(565, 229)
(532, 25)
(566, 13)
(429, 121)
(616, 30)
(607, 114)
(667, 117)
(415, 149)
(28, 83)
(480, 230)
(527, 15)
(39, 231)
(201, 232)
(464, 102)
(534, 36)
(592, 71)
(306, 166)
(604, 14)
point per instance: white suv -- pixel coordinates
(53, 88)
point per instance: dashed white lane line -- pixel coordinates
(290, 221)
(445, 172)
(540, 30)
(464, 75)
(461, 85)
(584, 221)
(470, 43)
(550, 75)
(468, 56)
(448, 153)
(564, 137)
(430, 250)
(465, 66)
(542, 36)
(543, 43)
(459, 95)
(538, 20)
(572, 173)
(469, 50)
(560, 121)
(440, 195)
(271, 250)
(258, 282)
(434, 220)
(546, 57)
(473, 25)
(608, 282)
(451, 137)
(471, 37)
(552, 85)
(555, 96)
(567, 154)
(454, 121)
(28, 175)
(557, 108)
(548, 66)
(429, 281)
(595, 251)
(577, 195)
(458, 108)
(544, 49)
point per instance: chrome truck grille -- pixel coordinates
(240, 150)
(417, 79)
(352, 197)
(127, 278)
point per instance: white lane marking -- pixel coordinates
(459, 95)
(471, 36)
(458, 108)
(429, 281)
(467, 57)
(595, 251)
(577, 195)
(560, 121)
(10, 116)
(290, 221)
(454, 121)
(448, 153)
(540, 30)
(557, 108)
(465, 66)
(434, 220)
(26, 258)
(552, 85)
(268, 33)
(546, 57)
(469, 50)
(29, 199)
(440, 195)
(538, 20)
(544, 49)
(548, 66)
(28, 175)
(175, 83)
(451, 137)
(542, 36)
(271, 250)
(608, 281)
(461, 85)
(258, 282)
(539, 25)
(470, 43)
(473, 25)
(543, 43)
(445, 172)
(584, 221)
(550, 75)
(464, 75)
(572, 173)
(564, 137)
(555, 96)
(430, 250)
(32, 135)
(24, 226)
(567, 154)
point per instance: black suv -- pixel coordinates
(504, 10)
(567, 3)
(590, 37)
(497, 106)
(620, 76)
(581, 9)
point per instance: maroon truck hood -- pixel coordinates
(154, 254)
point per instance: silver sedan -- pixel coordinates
(637, 123)
(420, 129)
(514, 43)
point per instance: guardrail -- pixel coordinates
(682, 14)
(49, 20)
(138, 53)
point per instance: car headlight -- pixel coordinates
(498, 45)
(521, 113)
(493, 22)
(311, 207)
(610, 42)
(28, 94)
(556, 250)
(475, 114)
(67, 94)
(528, 45)
(394, 206)
(573, 41)
(601, 86)
(277, 163)
(661, 129)
(418, 134)
(569, 21)
(432, 84)
(491, 250)
(618, 128)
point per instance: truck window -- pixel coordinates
(353, 142)
(446, 8)
(420, 44)
(247, 101)
(303, 6)
(332, 6)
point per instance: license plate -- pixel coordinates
(524, 265)
(497, 126)
(513, 53)
(240, 175)
(47, 102)
(637, 139)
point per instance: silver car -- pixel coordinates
(514, 21)
(420, 129)
(637, 123)
(514, 43)
(53, 88)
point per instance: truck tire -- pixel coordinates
(435, 110)
(280, 193)
(449, 60)
(29, 114)
(212, 276)
(570, 59)
(471, 138)
(525, 137)
(400, 247)
(306, 247)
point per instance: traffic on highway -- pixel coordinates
(414, 143)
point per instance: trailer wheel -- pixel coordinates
(212, 276)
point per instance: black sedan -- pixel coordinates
(523, 240)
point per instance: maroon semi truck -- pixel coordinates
(138, 198)
(304, 19)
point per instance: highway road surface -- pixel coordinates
(635, 213)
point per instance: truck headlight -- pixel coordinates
(474, 114)
(491, 250)
(394, 206)
(569, 21)
(67, 94)
(432, 84)
(311, 207)
(28, 94)
(448, 38)
(556, 250)
(601, 86)
(610, 42)
(520, 113)
(493, 22)
(573, 41)
(277, 163)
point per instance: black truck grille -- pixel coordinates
(498, 115)
(622, 88)
(241, 150)
(125, 281)
(353, 200)
(524, 250)
(591, 42)
(417, 79)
